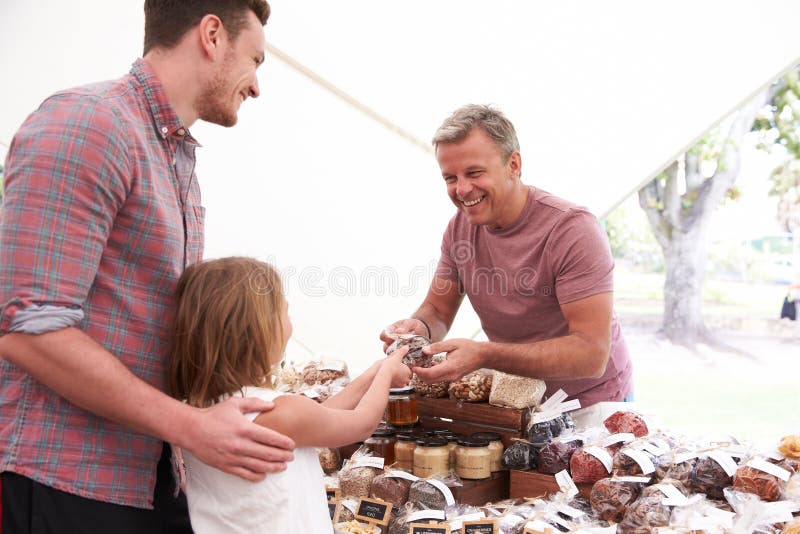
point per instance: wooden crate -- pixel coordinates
(469, 417)
(480, 492)
(525, 484)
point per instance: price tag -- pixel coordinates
(644, 480)
(395, 473)
(368, 461)
(641, 458)
(770, 469)
(685, 457)
(725, 461)
(566, 484)
(602, 455)
(429, 528)
(374, 511)
(538, 527)
(569, 406)
(673, 496)
(332, 494)
(425, 515)
(570, 511)
(557, 398)
(483, 526)
(613, 439)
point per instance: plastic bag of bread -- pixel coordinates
(324, 371)
(330, 459)
(512, 391)
(472, 387)
(434, 493)
(355, 477)
(610, 497)
(622, 422)
(392, 487)
(765, 478)
(645, 515)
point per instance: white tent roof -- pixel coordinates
(603, 95)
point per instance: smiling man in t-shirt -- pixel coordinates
(536, 268)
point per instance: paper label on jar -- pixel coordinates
(725, 461)
(435, 515)
(401, 474)
(368, 461)
(673, 496)
(570, 511)
(566, 484)
(602, 455)
(333, 365)
(641, 458)
(441, 486)
(771, 469)
(622, 437)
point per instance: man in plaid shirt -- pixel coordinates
(101, 215)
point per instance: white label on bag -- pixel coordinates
(725, 461)
(436, 515)
(641, 458)
(568, 406)
(333, 365)
(457, 522)
(541, 417)
(558, 520)
(613, 439)
(401, 474)
(685, 457)
(566, 484)
(673, 496)
(737, 451)
(368, 461)
(656, 447)
(568, 510)
(772, 469)
(441, 486)
(567, 439)
(539, 526)
(557, 398)
(350, 504)
(602, 455)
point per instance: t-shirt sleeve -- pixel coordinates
(581, 257)
(447, 268)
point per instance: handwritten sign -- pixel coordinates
(374, 511)
(484, 526)
(429, 528)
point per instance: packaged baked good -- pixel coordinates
(645, 515)
(764, 478)
(590, 464)
(555, 456)
(391, 487)
(712, 475)
(610, 497)
(329, 459)
(626, 422)
(519, 455)
(355, 477)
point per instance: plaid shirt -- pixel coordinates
(101, 215)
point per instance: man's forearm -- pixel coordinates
(563, 358)
(81, 371)
(438, 325)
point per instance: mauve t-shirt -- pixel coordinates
(517, 277)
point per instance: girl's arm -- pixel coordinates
(348, 398)
(311, 424)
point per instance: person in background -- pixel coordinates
(231, 330)
(101, 214)
(537, 269)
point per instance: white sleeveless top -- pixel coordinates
(291, 501)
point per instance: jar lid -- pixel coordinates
(406, 437)
(441, 432)
(382, 432)
(454, 437)
(489, 436)
(407, 390)
(432, 442)
(473, 442)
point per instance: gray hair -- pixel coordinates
(492, 121)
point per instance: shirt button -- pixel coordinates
(164, 129)
(174, 161)
(181, 132)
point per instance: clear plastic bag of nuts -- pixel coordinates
(432, 391)
(512, 391)
(472, 387)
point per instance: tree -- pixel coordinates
(779, 129)
(679, 204)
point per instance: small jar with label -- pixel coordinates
(404, 452)
(473, 459)
(431, 457)
(381, 442)
(402, 407)
(495, 447)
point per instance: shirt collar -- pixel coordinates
(166, 119)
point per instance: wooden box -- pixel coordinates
(480, 492)
(525, 484)
(469, 417)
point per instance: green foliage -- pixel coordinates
(631, 239)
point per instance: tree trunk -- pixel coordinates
(684, 259)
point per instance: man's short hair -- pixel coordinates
(492, 121)
(167, 21)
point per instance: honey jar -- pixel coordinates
(402, 407)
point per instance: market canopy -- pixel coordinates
(603, 96)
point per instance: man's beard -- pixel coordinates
(212, 104)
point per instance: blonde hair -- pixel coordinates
(228, 329)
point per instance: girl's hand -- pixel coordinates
(400, 372)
